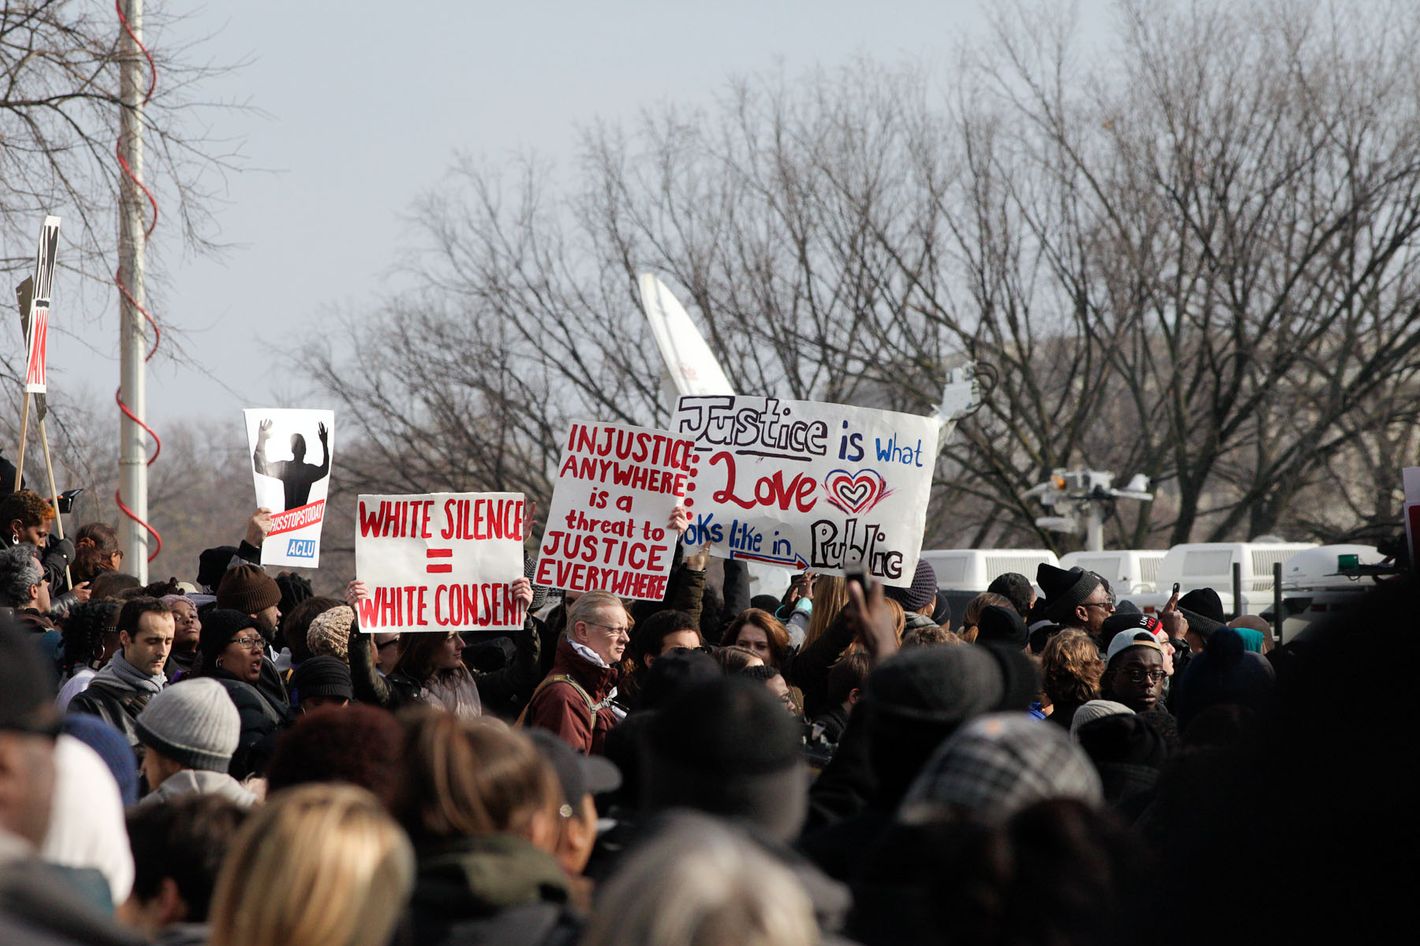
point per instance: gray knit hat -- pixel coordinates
(1093, 710)
(194, 723)
(998, 764)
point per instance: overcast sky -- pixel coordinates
(365, 106)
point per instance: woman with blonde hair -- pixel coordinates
(483, 808)
(702, 884)
(319, 865)
(830, 595)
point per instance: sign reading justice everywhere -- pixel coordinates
(440, 561)
(809, 485)
(607, 526)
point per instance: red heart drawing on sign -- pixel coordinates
(855, 493)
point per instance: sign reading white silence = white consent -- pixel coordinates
(807, 485)
(291, 456)
(440, 561)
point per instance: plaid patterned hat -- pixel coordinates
(998, 764)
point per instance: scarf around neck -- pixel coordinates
(130, 676)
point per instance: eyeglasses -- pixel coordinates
(1139, 675)
(615, 631)
(247, 643)
(1107, 605)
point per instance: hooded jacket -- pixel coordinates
(199, 782)
(496, 888)
(558, 705)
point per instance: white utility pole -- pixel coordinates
(133, 333)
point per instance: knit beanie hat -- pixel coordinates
(212, 565)
(1096, 709)
(998, 764)
(26, 684)
(998, 625)
(1224, 673)
(1204, 611)
(945, 686)
(1064, 590)
(727, 747)
(219, 626)
(193, 722)
(248, 589)
(112, 746)
(922, 591)
(1117, 623)
(1122, 738)
(329, 633)
(323, 676)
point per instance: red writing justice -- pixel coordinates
(467, 519)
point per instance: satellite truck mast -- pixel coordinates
(1076, 496)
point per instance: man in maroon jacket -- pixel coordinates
(575, 700)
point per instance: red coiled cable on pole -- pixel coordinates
(128, 294)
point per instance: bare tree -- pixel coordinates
(1191, 257)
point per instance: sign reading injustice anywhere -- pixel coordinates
(808, 485)
(607, 527)
(290, 462)
(440, 561)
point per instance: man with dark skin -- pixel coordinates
(296, 475)
(1135, 676)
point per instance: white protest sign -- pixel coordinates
(806, 485)
(37, 319)
(440, 561)
(291, 458)
(690, 364)
(1410, 479)
(607, 526)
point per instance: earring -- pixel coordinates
(14, 539)
(219, 662)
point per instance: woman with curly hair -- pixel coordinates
(1071, 670)
(88, 639)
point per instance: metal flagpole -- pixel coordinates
(133, 335)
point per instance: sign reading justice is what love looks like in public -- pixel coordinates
(807, 485)
(440, 561)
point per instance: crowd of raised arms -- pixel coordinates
(225, 758)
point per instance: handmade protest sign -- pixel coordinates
(440, 561)
(1410, 480)
(607, 524)
(283, 444)
(37, 322)
(807, 485)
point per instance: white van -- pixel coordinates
(1129, 571)
(964, 573)
(1312, 586)
(1210, 565)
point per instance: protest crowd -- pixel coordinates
(226, 758)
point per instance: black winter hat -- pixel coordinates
(1128, 622)
(946, 686)
(1225, 673)
(218, 627)
(1204, 611)
(1064, 590)
(26, 684)
(323, 676)
(922, 591)
(1124, 738)
(726, 726)
(998, 625)
(212, 565)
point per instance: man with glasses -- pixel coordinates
(134, 675)
(1076, 599)
(575, 701)
(1134, 671)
